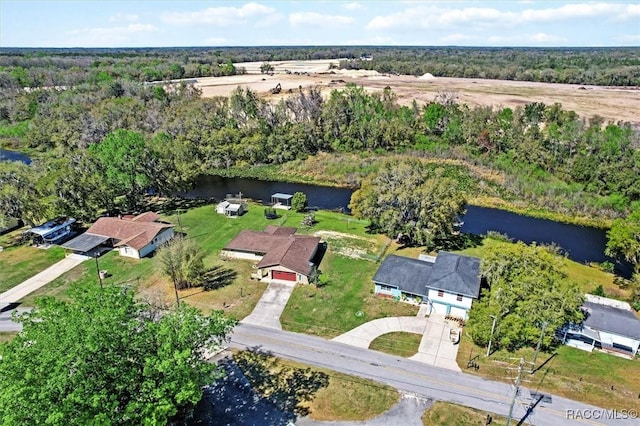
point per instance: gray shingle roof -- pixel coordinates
(409, 275)
(612, 319)
(456, 274)
(451, 272)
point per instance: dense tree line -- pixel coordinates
(23, 67)
(549, 155)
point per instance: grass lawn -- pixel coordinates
(6, 336)
(345, 302)
(20, 261)
(397, 343)
(596, 378)
(344, 398)
(447, 414)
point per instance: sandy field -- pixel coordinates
(612, 103)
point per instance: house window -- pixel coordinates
(440, 293)
(459, 297)
(386, 288)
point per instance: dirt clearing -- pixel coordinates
(611, 103)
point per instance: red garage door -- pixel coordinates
(282, 275)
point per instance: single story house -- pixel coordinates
(609, 325)
(133, 236)
(280, 253)
(448, 283)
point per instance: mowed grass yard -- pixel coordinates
(19, 262)
(596, 378)
(349, 263)
(447, 414)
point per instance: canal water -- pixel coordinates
(14, 156)
(580, 243)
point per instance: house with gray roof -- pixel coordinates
(609, 325)
(448, 283)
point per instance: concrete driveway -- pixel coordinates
(41, 279)
(270, 306)
(435, 347)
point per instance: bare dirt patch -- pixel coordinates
(352, 246)
(611, 103)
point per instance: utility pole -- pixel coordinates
(515, 391)
(535, 355)
(493, 327)
(98, 270)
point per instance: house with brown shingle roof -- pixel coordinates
(133, 236)
(280, 253)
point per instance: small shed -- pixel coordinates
(234, 210)
(222, 206)
(281, 201)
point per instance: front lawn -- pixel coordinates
(596, 378)
(345, 302)
(21, 261)
(448, 414)
(397, 343)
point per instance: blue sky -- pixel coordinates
(28, 23)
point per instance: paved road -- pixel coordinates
(27, 287)
(410, 376)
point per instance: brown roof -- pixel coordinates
(135, 234)
(279, 246)
(280, 230)
(147, 217)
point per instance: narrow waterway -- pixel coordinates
(6, 155)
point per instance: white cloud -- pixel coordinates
(353, 6)
(299, 19)
(221, 16)
(120, 17)
(431, 16)
(270, 20)
(108, 36)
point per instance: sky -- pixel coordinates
(149, 23)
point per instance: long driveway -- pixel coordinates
(27, 287)
(270, 306)
(412, 377)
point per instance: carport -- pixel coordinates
(85, 243)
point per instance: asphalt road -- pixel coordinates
(420, 379)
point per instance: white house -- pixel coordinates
(448, 283)
(133, 236)
(609, 325)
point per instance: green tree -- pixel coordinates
(106, 358)
(528, 291)
(20, 193)
(124, 156)
(624, 238)
(183, 260)
(266, 68)
(299, 201)
(411, 199)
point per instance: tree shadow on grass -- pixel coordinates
(258, 390)
(218, 277)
